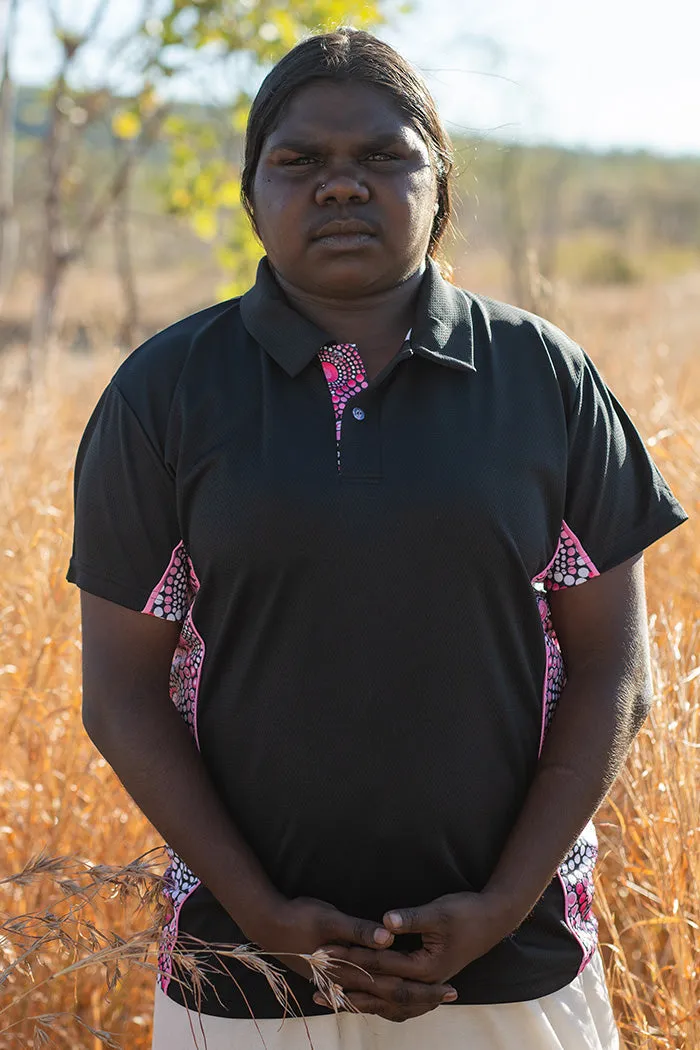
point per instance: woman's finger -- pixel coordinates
(405, 993)
(352, 978)
(395, 991)
(371, 1004)
(412, 966)
(341, 927)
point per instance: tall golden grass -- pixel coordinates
(80, 865)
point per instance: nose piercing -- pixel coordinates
(323, 185)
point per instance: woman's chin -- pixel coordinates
(352, 275)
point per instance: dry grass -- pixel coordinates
(67, 921)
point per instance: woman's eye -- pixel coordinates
(304, 162)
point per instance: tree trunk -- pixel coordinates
(54, 253)
(126, 336)
(53, 270)
(9, 227)
(551, 217)
(514, 228)
(55, 266)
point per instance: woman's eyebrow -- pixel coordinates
(296, 145)
(299, 145)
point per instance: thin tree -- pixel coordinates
(9, 226)
(72, 113)
(514, 226)
(126, 336)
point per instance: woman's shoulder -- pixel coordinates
(148, 379)
(158, 362)
(517, 329)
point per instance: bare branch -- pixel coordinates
(53, 15)
(119, 180)
(72, 42)
(94, 23)
(10, 26)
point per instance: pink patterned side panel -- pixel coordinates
(173, 599)
(185, 673)
(569, 567)
(180, 884)
(554, 677)
(345, 373)
(576, 877)
(173, 594)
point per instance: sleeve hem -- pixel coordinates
(639, 539)
(112, 590)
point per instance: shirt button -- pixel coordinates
(358, 413)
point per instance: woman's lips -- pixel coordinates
(345, 241)
(345, 234)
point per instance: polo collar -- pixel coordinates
(442, 330)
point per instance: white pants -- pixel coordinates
(578, 1017)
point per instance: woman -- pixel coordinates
(369, 707)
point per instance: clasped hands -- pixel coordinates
(455, 929)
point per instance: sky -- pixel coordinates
(605, 74)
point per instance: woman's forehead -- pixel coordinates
(323, 108)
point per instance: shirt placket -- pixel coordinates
(346, 376)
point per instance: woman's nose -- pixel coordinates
(342, 188)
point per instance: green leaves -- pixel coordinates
(264, 28)
(126, 124)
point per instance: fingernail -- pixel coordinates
(318, 999)
(449, 997)
(382, 936)
(394, 918)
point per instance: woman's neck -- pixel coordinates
(376, 323)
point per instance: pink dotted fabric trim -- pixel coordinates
(576, 877)
(180, 883)
(346, 376)
(569, 567)
(554, 676)
(173, 599)
(172, 595)
(185, 673)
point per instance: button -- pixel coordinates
(358, 413)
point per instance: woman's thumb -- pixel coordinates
(365, 932)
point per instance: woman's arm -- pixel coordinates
(130, 718)
(602, 631)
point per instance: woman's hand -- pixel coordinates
(300, 926)
(455, 929)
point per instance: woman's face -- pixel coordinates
(344, 154)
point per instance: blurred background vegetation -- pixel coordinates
(134, 198)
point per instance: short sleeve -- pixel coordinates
(126, 542)
(617, 502)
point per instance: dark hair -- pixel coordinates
(345, 55)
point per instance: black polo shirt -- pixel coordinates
(361, 569)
